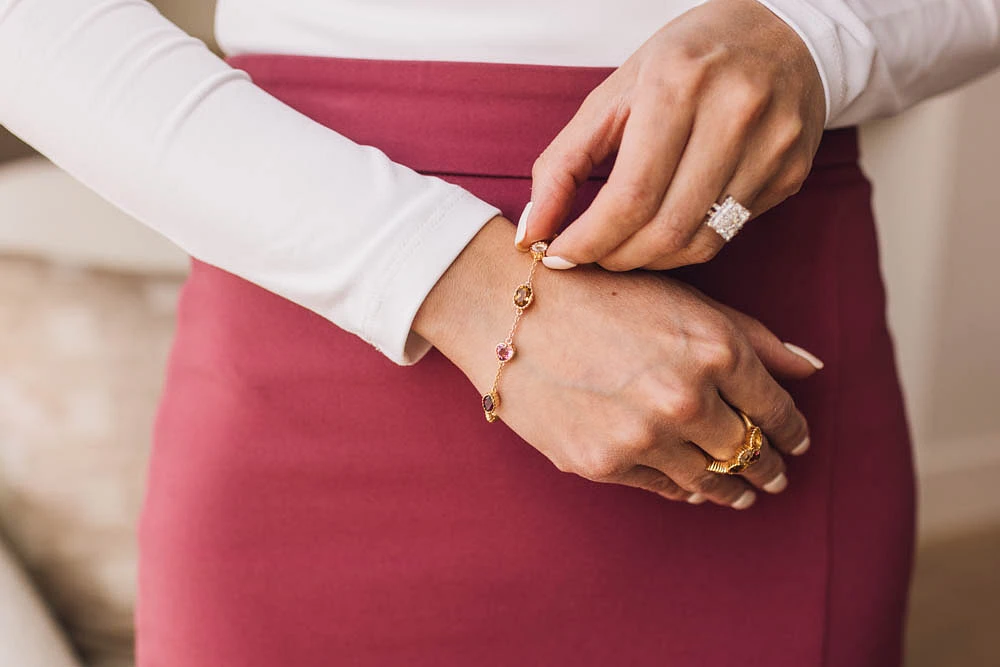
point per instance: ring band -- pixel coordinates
(728, 218)
(748, 454)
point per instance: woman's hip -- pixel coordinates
(304, 487)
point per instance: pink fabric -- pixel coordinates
(310, 503)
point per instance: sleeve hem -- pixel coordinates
(408, 281)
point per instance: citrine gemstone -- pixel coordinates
(523, 296)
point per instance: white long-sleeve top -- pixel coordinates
(150, 119)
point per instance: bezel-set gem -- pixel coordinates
(491, 402)
(728, 218)
(505, 351)
(538, 249)
(523, 295)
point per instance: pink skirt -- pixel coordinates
(310, 503)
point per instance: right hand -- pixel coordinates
(621, 378)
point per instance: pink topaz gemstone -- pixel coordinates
(505, 352)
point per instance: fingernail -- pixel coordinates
(801, 447)
(808, 356)
(745, 501)
(776, 485)
(559, 263)
(697, 499)
(522, 225)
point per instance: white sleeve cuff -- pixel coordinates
(840, 44)
(420, 260)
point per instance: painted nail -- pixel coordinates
(559, 263)
(777, 485)
(522, 225)
(801, 447)
(745, 501)
(697, 499)
(805, 354)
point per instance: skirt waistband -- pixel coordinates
(417, 111)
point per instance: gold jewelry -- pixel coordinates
(727, 218)
(748, 454)
(524, 295)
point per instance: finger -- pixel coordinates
(779, 357)
(753, 174)
(652, 144)
(590, 136)
(685, 465)
(781, 155)
(650, 479)
(754, 391)
(709, 160)
(703, 247)
(721, 434)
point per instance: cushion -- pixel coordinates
(82, 353)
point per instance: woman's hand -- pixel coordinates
(620, 378)
(724, 100)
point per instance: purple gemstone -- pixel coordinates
(488, 404)
(505, 352)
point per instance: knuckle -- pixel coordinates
(718, 354)
(682, 406)
(618, 263)
(703, 250)
(584, 250)
(670, 234)
(710, 484)
(636, 200)
(789, 134)
(780, 409)
(631, 437)
(601, 464)
(748, 100)
(794, 176)
(540, 167)
(665, 486)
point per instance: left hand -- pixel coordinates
(723, 100)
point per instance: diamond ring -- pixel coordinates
(727, 218)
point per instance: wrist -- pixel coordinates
(469, 306)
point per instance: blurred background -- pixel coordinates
(86, 317)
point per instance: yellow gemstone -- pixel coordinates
(523, 296)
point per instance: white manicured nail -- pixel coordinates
(776, 485)
(522, 225)
(801, 447)
(745, 501)
(559, 263)
(805, 354)
(697, 499)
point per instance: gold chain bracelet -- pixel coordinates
(523, 296)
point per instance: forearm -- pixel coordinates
(154, 122)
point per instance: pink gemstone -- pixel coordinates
(505, 352)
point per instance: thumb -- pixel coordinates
(778, 357)
(556, 175)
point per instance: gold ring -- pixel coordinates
(748, 454)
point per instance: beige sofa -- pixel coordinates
(86, 315)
